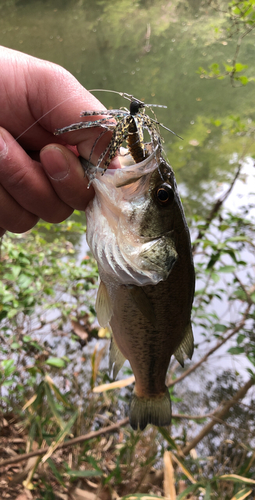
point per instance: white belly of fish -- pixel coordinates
(119, 258)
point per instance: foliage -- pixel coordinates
(239, 21)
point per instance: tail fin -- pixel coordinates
(156, 411)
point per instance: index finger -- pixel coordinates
(67, 99)
(42, 97)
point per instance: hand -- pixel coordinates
(36, 97)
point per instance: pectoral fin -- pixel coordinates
(103, 305)
(186, 346)
(116, 359)
(143, 303)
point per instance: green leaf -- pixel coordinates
(53, 406)
(6, 363)
(208, 492)
(240, 67)
(251, 373)
(16, 270)
(243, 79)
(140, 496)
(84, 473)
(214, 68)
(8, 367)
(227, 269)
(237, 479)
(26, 338)
(215, 277)
(242, 494)
(58, 362)
(7, 383)
(217, 123)
(54, 469)
(11, 313)
(15, 345)
(238, 238)
(229, 68)
(60, 437)
(167, 437)
(251, 359)
(191, 489)
(24, 281)
(236, 350)
(94, 463)
(219, 328)
(201, 70)
(240, 294)
(58, 394)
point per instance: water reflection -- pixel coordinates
(152, 50)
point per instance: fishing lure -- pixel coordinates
(129, 125)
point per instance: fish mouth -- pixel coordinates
(131, 172)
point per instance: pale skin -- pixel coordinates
(40, 177)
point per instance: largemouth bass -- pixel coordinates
(136, 230)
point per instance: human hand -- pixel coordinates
(36, 97)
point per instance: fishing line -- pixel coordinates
(45, 114)
(129, 97)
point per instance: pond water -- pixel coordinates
(151, 49)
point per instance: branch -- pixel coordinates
(218, 203)
(194, 417)
(91, 435)
(219, 344)
(238, 45)
(219, 415)
(79, 439)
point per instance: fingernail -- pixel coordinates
(54, 162)
(3, 147)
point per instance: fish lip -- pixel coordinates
(128, 174)
(125, 175)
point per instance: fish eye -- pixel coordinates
(164, 194)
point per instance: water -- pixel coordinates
(151, 49)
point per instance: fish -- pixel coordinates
(138, 234)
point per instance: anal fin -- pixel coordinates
(186, 346)
(116, 359)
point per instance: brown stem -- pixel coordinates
(79, 439)
(91, 435)
(238, 45)
(193, 417)
(219, 415)
(218, 203)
